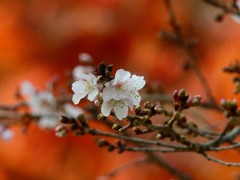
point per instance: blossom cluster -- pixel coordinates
(118, 94)
(43, 104)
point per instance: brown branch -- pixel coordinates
(210, 158)
(227, 9)
(189, 49)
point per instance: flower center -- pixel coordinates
(89, 88)
(120, 87)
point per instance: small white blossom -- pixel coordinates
(87, 85)
(72, 111)
(47, 122)
(41, 103)
(125, 86)
(26, 88)
(120, 107)
(81, 69)
(85, 57)
(121, 93)
(5, 133)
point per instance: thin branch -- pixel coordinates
(210, 158)
(124, 167)
(168, 167)
(158, 160)
(193, 56)
(152, 149)
(133, 139)
(225, 147)
(225, 138)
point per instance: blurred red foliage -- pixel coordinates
(40, 38)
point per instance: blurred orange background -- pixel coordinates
(41, 38)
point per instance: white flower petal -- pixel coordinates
(26, 88)
(77, 97)
(47, 122)
(92, 95)
(121, 110)
(81, 69)
(82, 76)
(72, 110)
(109, 93)
(136, 98)
(92, 79)
(106, 108)
(79, 86)
(138, 82)
(7, 135)
(122, 75)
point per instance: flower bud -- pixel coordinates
(175, 96)
(85, 58)
(160, 136)
(97, 103)
(116, 127)
(60, 127)
(183, 96)
(61, 133)
(159, 109)
(147, 105)
(64, 120)
(101, 117)
(145, 112)
(136, 130)
(121, 130)
(102, 142)
(137, 110)
(195, 100)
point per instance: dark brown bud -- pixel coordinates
(136, 130)
(102, 142)
(111, 148)
(65, 120)
(145, 112)
(219, 17)
(137, 110)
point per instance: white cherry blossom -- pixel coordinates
(87, 85)
(41, 103)
(72, 111)
(121, 93)
(5, 133)
(120, 107)
(81, 69)
(125, 86)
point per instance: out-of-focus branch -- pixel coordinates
(233, 9)
(193, 57)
